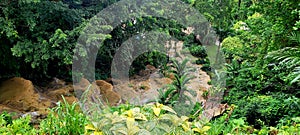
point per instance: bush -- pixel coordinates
(202, 61)
(147, 119)
(206, 67)
(261, 110)
(18, 126)
(198, 51)
(233, 48)
(227, 125)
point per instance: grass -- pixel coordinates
(64, 119)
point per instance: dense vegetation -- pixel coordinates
(260, 40)
(128, 120)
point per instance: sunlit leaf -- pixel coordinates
(97, 133)
(156, 111)
(205, 128)
(130, 122)
(184, 118)
(186, 126)
(169, 109)
(90, 127)
(140, 116)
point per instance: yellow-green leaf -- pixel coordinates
(197, 130)
(156, 111)
(205, 128)
(97, 133)
(90, 127)
(130, 122)
(169, 109)
(159, 105)
(140, 116)
(133, 130)
(129, 113)
(202, 130)
(184, 118)
(186, 126)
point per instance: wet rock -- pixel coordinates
(106, 89)
(56, 84)
(81, 87)
(4, 108)
(148, 70)
(212, 111)
(32, 114)
(98, 91)
(19, 94)
(142, 89)
(66, 92)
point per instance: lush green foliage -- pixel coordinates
(198, 51)
(18, 126)
(31, 38)
(260, 40)
(262, 80)
(289, 57)
(174, 93)
(142, 25)
(129, 120)
(64, 119)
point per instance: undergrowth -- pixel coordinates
(134, 120)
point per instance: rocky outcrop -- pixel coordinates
(98, 92)
(66, 91)
(19, 95)
(106, 89)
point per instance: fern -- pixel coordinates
(297, 74)
(289, 57)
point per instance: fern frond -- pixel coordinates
(297, 73)
(295, 37)
(288, 57)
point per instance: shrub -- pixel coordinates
(198, 51)
(206, 67)
(233, 47)
(260, 110)
(18, 126)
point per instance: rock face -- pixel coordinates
(66, 91)
(106, 89)
(19, 94)
(96, 92)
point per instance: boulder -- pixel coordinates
(65, 91)
(99, 92)
(19, 94)
(106, 89)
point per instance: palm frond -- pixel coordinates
(297, 73)
(295, 37)
(288, 57)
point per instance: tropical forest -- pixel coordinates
(149, 67)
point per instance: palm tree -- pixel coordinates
(182, 76)
(175, 92)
